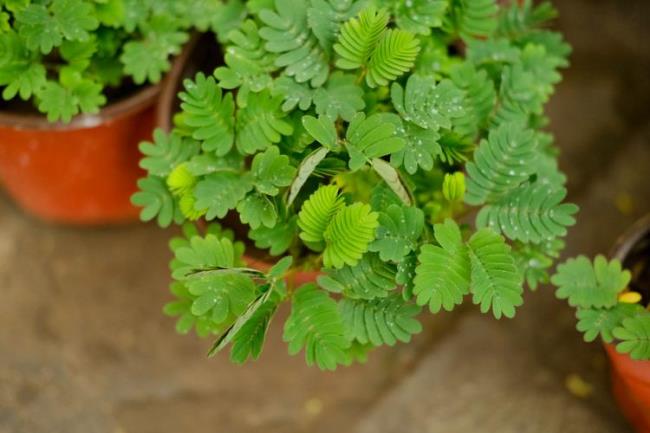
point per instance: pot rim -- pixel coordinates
(630, 238)
(138, 101)
(169, 86)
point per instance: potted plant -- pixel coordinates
(77, 86)
(613, 304)
(330, 161)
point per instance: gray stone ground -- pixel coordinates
(84, 348)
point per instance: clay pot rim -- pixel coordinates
(630, 238)
(138, 101)
(169, 86)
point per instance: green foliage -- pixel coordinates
(369, 279)
(502, 162)
(634, 336)
(349, 235)
(594, 322)
(351, 137)
(63, 54)
(372, 137)
(380, 321)
(531, 213)
(287, 33)
(398, 232)
(588, 285)
(385, 54)
(209, 115)
(317, 213)
(315, 324)
(443, 276)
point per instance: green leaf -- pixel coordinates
(496, 282)
(257, 210)
(287, 33)
(502, 163)
(315, 324)
(58, 102)
(395, 55)
(428, 104)
(392, 177)
(359, 38)
(166, 152)
(382, 321)
(369, 279)
(156, 201)
(306, 169)
(277, 239)
(248, 342)
(635, 337)
(348, 235)
(340, 97)
(480, 98)
(535, 260)
(75, 18)
(325, 17)
(299, 95)
(443, 275)
(476, 18)
(38, 28)
(220, 192)
(248, 64)
(594, 322)
(272, 171)
(590, 286)
(419, 16)
(208, 114)
(420, 150)
(322, 130)
(316, 213)
(261, 123)
(372, 137)
(398, 234)
(203, 254)
(530, 213)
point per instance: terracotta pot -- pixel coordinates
(202, 54)
(83, 172)
(631, 379)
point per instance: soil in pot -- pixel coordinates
(631, 379)
(83, 172)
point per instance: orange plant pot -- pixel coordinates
(631, 387)
(83, 172)
(631, 379)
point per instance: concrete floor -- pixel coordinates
(84, 347)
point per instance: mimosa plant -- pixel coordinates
(352, 137)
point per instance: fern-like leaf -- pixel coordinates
(276, 239)
(359, 38)
(287, 33)
(208, 114)
(428, 104)
(530, 213)
(348, 235)
(156, 201)
(316, 214)
(594, 322)
(476, 18)
(220, 192)
(535, 260)
(480, 98)
(340, 97)
(399, 231)
(395, 55)
(443, 275)
(257, 210)
(166, 152)
(634, 335)
(501, 163)
(372, 137)
(496, 282)
(382, 321)
(272, 171)
(369, 279)
(315, 324)
(588, 285)
(261, 123)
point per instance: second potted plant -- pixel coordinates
(78, 83)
